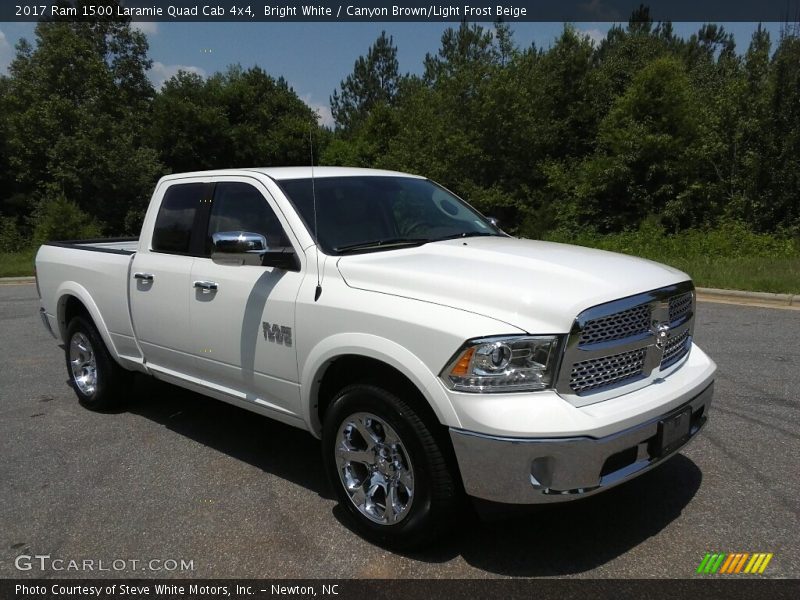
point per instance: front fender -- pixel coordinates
(378, 348)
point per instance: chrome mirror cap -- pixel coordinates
(243, 247)
(238, 241)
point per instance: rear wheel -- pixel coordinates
(388, 470)
(98, 381)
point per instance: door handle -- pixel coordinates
(143, 276)
(206, 286)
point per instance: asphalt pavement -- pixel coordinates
(179, 477)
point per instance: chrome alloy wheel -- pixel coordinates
(375, 468)
(83, 364)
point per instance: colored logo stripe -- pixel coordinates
(734, 563)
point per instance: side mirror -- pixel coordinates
(281, 258)
(248, 248)
(243, 247)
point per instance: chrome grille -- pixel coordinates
(626, 343)
(600, 372)
(617, 326)
(679, 306)
(675, 348)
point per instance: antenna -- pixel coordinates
(318, 291)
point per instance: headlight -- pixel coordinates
(503, 364)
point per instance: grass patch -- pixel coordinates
(16, 264)
(781, 275)
(730, 257)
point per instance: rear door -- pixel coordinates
(243, 316)
(161, 286)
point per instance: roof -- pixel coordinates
(280, 173)
(319, 172)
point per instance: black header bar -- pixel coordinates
(403, 10)
(705, 587)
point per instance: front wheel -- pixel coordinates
(98, 381)
(389, 472)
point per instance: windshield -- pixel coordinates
(379, 213)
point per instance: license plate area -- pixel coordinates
(673, 431)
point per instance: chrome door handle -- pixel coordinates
(206, 286)
(143, 276)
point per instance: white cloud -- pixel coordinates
(322, 109)
(146, 27)
(595, 35)
(6, 53)
(160, 72)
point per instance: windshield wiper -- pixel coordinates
(465, 234)
(385, 243)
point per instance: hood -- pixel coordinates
(539, 287)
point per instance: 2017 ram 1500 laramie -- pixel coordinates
(432, 353)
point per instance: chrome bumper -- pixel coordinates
(539, 470)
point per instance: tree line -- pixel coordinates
(643, 127)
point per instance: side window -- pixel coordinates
(241, 207)
(175, 221)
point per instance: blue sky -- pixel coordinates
(315, 57)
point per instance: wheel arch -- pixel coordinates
(74, 300)
(356, 358)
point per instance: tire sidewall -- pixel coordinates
(99, 399)
(374, 400)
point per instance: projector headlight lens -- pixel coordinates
(504, 364)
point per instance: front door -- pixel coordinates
(243, 316)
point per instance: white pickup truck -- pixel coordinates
(432, 353)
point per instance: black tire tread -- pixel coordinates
(446, 497)
(113, 380)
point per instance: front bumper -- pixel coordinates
(540, 470)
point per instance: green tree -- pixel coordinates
(6, 181)
(369, 145)
(77, 103)
(782, 206)
(57, 218)
(626, 51)
(373, 82)
(555, 126)
(231, 119)
(644, 161)
(750, 164)
(715, 71)
(444, 116)
(465, 54)
(189, 125)
(11, 240)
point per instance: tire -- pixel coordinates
(99, 382)
(405, 500)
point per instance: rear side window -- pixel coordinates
(176, 217)
(239, 207)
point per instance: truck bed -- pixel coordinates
(96, 272)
